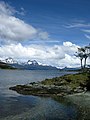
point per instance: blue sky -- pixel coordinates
(53, 22)
(53, 15)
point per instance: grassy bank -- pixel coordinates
(60, 86)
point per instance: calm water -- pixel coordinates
(14, 106)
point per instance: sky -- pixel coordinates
(49, 31)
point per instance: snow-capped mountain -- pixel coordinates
(32, 62)
(9, 60)
(29, 65)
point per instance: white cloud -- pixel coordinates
(87, 36)
(70, 61)
(15, 29)
(70, 48)
(68, 44)
(57, 55)
(43, 35)
(82, 25)
(6, 9)
(12, 28)
(87, 31)
(77, 25)
(32, 51)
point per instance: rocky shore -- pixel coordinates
(59, 86)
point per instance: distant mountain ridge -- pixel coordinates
(32, 62)
(29, 65)
(71, 69)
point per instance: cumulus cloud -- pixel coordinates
(43, 35)
(13, 28)
(32, 51)
(70, 48)
(57, 55)
(6, 9)
(68, 44)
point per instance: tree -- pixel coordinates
(83, 53)
(80, 55)
(87, 48)
(87, 54)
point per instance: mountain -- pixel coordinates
(71, 69)
(32, 66)
(29, 65)
(32, 62)
(9, 61)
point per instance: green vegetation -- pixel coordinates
(83, 53)
(64, 85)
(73, 80)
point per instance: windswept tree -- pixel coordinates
(83, 53)
(87, 54)
(87, 48)
(80, 55)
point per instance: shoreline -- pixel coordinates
(58, 86)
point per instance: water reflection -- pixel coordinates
(35, 108)
(14, 106)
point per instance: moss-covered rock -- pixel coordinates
(67, 84)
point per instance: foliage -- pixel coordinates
(83, 53)
(72, 80)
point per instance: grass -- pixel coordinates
(67, 84)
(72, 80)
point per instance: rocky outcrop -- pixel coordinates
(60, 86)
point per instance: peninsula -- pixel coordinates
(60, 86)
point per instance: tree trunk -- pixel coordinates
(81, 63)
(85, 62)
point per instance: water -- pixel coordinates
(14, 106)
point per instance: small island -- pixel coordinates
(58, 86)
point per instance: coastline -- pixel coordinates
(58, 86)
(77, 95)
